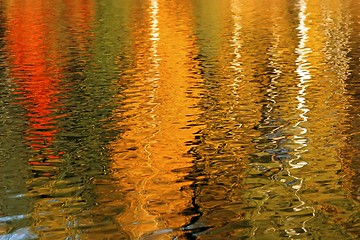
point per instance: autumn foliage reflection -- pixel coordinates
(33, 54)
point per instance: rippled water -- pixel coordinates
(203, 119)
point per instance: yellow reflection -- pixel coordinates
(154, 33)
(237, 43)
(328, 100)
(276, 46)
(148, 159)
(234, 57)
(321, 70)
(300, 139)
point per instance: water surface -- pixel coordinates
(186, 119)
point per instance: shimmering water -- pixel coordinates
(191, 119)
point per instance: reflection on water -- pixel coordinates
(179, 120)
(155, 111)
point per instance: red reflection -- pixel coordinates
(35, 39)
(31, 42)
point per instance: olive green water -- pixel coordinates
(156, 119)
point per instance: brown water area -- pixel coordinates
(192, 119)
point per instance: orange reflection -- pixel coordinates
(158, 108)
